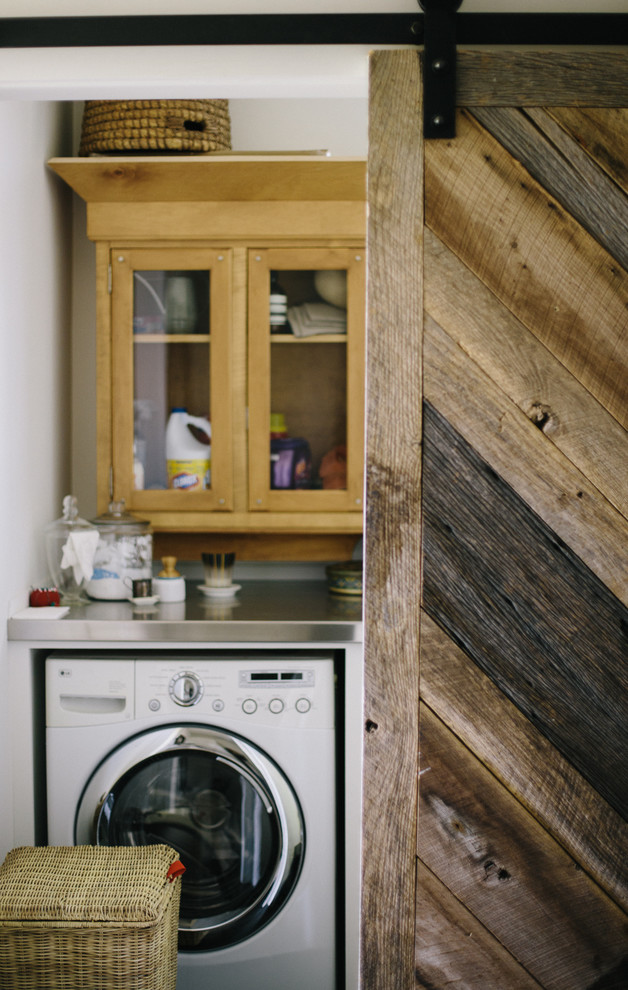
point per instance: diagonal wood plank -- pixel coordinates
(505, 868)
(453, 948)
(516, 753)
(524, 607)
(560, 165)
(536, 258)
(526, 459)
(527, 372)
(603, 133)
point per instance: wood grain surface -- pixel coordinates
(392, 572)
(602, 133)
(454, 949)
(524, 371)
(541, 78)
(497, 860)
(556, 160)
(522, 840)
(552, 275)
(526, 763)
(524, 607)
(527, 460)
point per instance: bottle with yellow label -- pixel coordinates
(188, 451)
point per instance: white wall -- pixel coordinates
(35, 254)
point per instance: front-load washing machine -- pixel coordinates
(229, 758)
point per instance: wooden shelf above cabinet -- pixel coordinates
(202, 178)
(189, 198)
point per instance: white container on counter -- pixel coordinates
(169, 585)
(124, 552)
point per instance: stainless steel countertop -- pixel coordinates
(262, 612)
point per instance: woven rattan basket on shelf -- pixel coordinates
(89, 917)
(192, 126)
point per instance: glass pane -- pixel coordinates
(309, 381)
(171, 301)
(224, 828)
(171, 395)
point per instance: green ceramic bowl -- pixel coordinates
(345, 578)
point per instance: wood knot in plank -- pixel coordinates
(495, 875)
(122, 173)
(465, 837)
(542, 416)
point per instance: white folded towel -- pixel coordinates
(78, 553)
(317, 318)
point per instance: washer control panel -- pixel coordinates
(281, 691)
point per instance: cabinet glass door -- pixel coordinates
(306, 379)
(171, 399)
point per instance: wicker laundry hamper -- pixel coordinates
(89, 918)
(193, 126)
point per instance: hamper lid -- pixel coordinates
(127, 884)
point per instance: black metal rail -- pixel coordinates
(308, 29)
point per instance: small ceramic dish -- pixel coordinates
(146, 602)
(345, 578)
(227, 591)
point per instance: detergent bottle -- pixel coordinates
(188, 451)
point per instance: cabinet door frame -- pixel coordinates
(218, 262)
(260, 343)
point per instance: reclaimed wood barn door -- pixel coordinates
(495, 848)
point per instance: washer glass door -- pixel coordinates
(223, 805)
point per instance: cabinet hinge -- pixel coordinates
(109, 278)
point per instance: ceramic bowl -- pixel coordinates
(345, 578)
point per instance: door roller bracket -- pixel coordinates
(439, 68)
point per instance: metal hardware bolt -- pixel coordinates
(221, 257)
(120, 257)
(439, 65)
(259, 501)
(358, 257)
(438, 120)
(221, 501)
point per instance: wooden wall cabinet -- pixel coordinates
(185, 250)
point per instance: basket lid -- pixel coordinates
(123, 884)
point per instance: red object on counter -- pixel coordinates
(44, 596)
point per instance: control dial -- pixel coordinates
(186, 689)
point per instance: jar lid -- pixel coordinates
(70, 521)
(118, 516)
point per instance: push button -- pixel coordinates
(276, 705)
(303, 705)
(249, 706)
